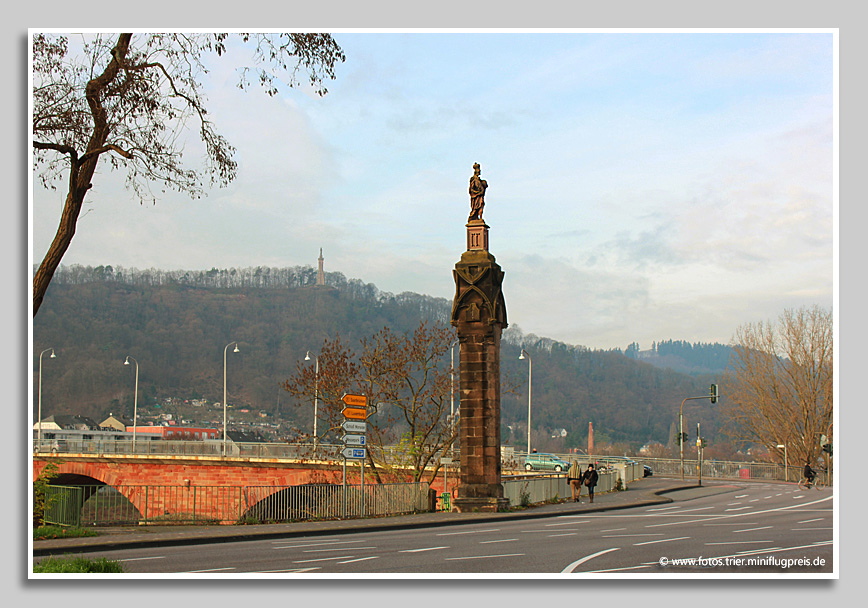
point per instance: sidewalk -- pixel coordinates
(648, 491)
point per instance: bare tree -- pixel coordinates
(407, 376)
(779, 387)
(131, 98)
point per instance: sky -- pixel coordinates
(642, 185)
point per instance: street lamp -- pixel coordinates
(784, 447)
(224, 390)
(135, 398)
(39, 413)
(315, 394)
(524, 354)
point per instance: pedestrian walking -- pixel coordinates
(590, 478)
(574, 478)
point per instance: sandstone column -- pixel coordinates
(479, 315)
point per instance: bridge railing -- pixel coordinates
(103, 505)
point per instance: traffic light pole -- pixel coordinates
(713, 397)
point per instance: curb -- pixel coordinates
(186, 535)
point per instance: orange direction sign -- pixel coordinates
(355, 400)
(355, 413)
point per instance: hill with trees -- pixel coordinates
(176, 325)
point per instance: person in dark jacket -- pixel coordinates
(590, 478)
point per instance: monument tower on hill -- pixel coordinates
(479, 315)
(320, 275)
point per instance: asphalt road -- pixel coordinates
(721, 528)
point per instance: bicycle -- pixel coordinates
(818, 484)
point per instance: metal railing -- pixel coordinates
(102, 505)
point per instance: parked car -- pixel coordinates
(545, 462)
(647, 471)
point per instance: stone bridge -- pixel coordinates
(145, 480)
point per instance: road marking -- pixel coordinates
(741, 542)
(613, 530)
(335, 549)
(501, 540)
(807, 521)
(361, 559)
(564, 534)
(581, 561)
(135, 559)
(756, 551)
(754, 500)
(485, 556)
(570, 523)
(737, 509)
(734, 523)
(660, 540)
(663, 508)
(210, 570)
(751, 529)
(742, 495)
(337, 542)
(629, 535)
(322, 559)
(732, 504)
(794, 529)
(468, 532)
(420, 550)
(297, 570)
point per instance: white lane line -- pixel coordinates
(322, 559)
(794, 529)
(751, 529)
(754, 500)
(422, 549)
(306, 545)
(756, 551)
(361, 559)
(629, 535)
(663, 508)
(570, 523)
(734, 523)
(296, 570)
(468, 532)
(136, 559)
(742, 495)
(581, 561)
(564, 534)
(210, 570)
(661, 540)
(485, 556)
(335, 549)
(742, 542)
(807, 521)
(500, 540)
(613, 530)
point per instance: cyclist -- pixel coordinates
(809, 473)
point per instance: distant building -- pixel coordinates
(177, 432)
(118, 423)
(57, 422)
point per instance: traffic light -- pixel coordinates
(682, 437)
(713, 393)
(702, 442)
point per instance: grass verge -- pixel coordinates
(46, 532)
(71, 564)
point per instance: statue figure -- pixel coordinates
(477, 193)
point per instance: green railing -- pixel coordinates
(103, 505)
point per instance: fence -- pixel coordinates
(101, 505)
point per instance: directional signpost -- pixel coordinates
(355, 412)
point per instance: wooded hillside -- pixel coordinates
(177, 323)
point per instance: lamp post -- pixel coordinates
(39, 412)
(525, 355)
(224, 391)
(135, 398)
(315, 395)
(786, 461)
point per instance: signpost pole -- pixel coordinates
(345, 488)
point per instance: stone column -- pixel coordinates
(479, 315)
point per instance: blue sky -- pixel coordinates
(642, 186)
